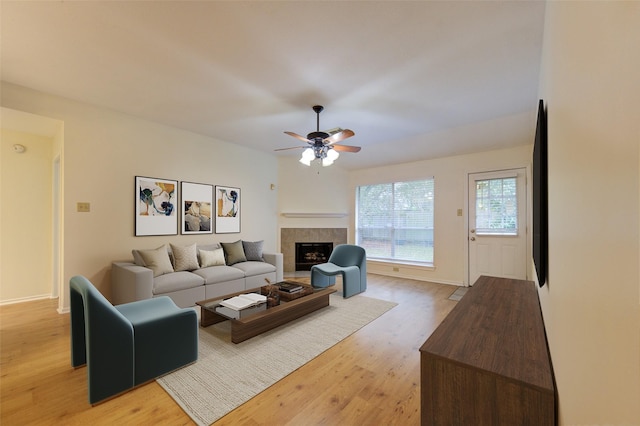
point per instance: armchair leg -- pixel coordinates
(351, 283)
(320, 280)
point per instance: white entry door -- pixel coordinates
(497, 224)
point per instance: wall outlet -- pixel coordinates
(84, 207)
(396, 269)
(459, 212)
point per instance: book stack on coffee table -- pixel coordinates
(290, 290)
(290, 287)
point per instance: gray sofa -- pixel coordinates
(194, 273)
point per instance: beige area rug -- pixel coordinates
(227, 375)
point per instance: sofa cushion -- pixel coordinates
(218, 274)
(253, 250)
(157, 260)
(255, 268)
(233, 252)
(176, 281)
(185, 258)
(211, 257)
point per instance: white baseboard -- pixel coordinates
(407, 271)
(26, 299)
(418, 278)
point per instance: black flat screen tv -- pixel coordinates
(540, 198)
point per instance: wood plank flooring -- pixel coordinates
(372, 377)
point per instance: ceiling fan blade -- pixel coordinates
(340, 136)
(293, 147)
(297, 136)
(346, 148)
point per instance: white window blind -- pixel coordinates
(394, 221)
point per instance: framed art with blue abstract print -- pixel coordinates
(227, 210)
(156, 206)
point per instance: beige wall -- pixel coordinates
(314, 189)
(105, 150)
(590, 83)
(26, 225)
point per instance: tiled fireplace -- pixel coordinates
(290, 236)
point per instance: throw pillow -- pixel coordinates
(253, 250)
(233, 252)
(137, 257)
(157, 260)
(211, 257)
(185, 258)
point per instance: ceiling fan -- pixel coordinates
(323, 145)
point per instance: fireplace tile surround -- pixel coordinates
(290, 236)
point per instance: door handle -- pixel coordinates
(472, 238)
(473, 231)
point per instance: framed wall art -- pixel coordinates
(196, 208)
(156, 206)
(227, 210)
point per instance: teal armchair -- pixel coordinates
(347, 260)
(127, 345)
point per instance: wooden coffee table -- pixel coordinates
(246, 328)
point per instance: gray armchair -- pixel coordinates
(127, 345)
(347, 260)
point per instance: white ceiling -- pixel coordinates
(414, 80)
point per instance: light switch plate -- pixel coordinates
(84, 207)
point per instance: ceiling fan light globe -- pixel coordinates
(305, 161)
(308, 154)
(326, 162)
(332, 155)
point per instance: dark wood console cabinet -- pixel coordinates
(488, 362)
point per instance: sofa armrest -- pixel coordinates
(130, 282)
(276, 260)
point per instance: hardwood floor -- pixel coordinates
(372, 377)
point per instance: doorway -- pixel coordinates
(497, 229)
(36, 171)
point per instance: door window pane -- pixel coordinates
(496, 207)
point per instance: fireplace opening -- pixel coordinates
(309, 254)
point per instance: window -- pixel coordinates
(496, 207)
(394, 221)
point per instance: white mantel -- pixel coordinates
(313, 215)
